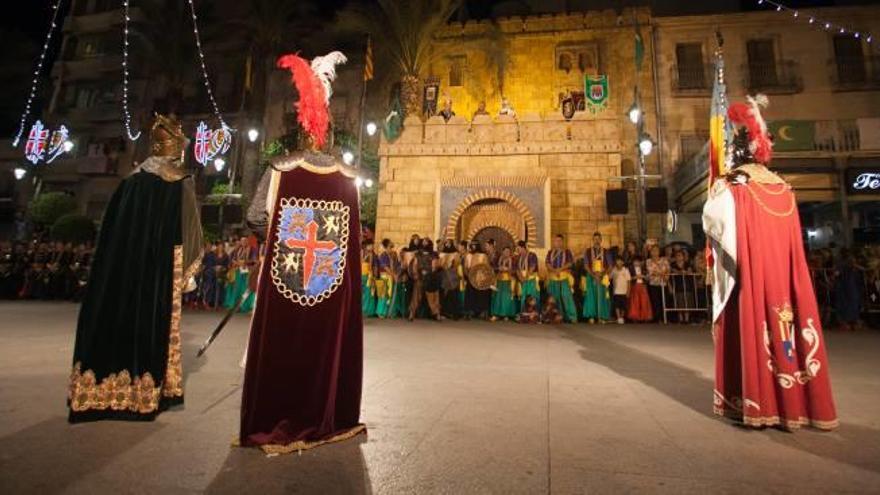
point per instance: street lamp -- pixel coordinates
(368, 183)
(358, 182)
(253, 135)
(19, 173)
(646, 145)
(348, 157)
(634, 113)
(68, 146)
(371, 130)
(219, 163)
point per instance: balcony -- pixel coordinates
(100, 21)
(87, 68)
(856, 73)
(782, 77)
(692, 80)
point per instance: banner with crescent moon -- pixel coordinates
(793, 135)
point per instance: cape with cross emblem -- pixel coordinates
(309, 257)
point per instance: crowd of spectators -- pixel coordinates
(44, 270)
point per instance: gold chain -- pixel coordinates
(767, 190)
(768, 209)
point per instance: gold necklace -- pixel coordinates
(768, 190)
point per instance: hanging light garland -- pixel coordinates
(27, 108)
(815, 21)
(192, 9)
(126, 112)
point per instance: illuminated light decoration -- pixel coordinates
(43, 144)
(813, 20)
(19, 173)
(207, 81)
(126, 112)
(59, 144)
(35, 83)
(35, 148)
(210, 143)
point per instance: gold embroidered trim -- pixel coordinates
(117, 392)
(304, 445)
(761, 174)
(173, 385)
(765, 421)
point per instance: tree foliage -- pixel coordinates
(45, 209)
(73, 228)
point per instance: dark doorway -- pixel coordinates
(502, 237)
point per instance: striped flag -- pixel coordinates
(368, 61)
(719, 126)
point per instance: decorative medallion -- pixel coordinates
(310, 248)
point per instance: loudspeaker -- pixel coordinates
(617, 201)
(656, 200)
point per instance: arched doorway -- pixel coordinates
(501, 237)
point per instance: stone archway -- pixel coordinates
(492, 208)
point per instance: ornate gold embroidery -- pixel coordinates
(766, 208)
(760, 174)
(173, 385)
(117, 392)
(304, 445)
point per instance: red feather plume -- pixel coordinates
(744, 114)
(312, 112)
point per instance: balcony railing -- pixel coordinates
(692, 80)
(855, 73)
(782, 77)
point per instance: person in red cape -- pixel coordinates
(304, 361)
(771, 367)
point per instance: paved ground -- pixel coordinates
(451, 408)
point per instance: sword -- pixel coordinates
(223, 323)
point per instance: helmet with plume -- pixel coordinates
(752, 142)
(313, 82)
(167, 138)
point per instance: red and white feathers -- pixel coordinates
(749, 116)
(313, 82)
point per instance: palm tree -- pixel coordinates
(402, 34)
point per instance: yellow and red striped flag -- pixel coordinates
(368, 61)
(719, 126)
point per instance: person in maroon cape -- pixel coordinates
(304, 362)
(770, 363)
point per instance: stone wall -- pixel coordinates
(576, 158)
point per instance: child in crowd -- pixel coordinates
(529, 313)
(639, 300)
(620, 278)
(550, 314)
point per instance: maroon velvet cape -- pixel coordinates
(771, 366)
(304, 367)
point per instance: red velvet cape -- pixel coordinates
(304, 367)
(770, 362)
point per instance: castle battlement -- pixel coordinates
(505, 135)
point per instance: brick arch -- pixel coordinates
(528, 218)
(475, 229)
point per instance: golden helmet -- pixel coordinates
(167, 137)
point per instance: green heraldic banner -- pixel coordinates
(793, 135)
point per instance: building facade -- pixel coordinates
(824, 112)
(484, 175)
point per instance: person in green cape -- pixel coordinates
(597, 263)
(503, 302)
(527, 274)
(242, 260)
(368, 280)
(127, 361)
(560, 281)
(384, 280)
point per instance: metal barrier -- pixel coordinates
(686, 293)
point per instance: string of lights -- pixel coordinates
(36, 82)
(126, 113)
(815, 21)
(208, 88)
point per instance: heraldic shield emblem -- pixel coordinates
(310, 247)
